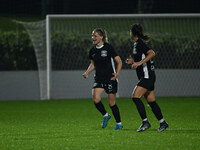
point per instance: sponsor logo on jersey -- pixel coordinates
(103, 53)
(134, 48)
(93, 55)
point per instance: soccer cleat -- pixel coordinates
(163, 126)
(105, 121)
(145, 125)
(118, 126)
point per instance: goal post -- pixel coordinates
(48, 57)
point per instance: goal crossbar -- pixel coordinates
(123, 15)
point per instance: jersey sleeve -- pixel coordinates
(113, 52)
(145, 47)
(90, 54)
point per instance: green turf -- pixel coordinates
(76, 124)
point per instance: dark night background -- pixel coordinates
(17, 51)
(42, 7)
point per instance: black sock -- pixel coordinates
(115, 111)
(100, 107)
(156, 110)
(140, 107)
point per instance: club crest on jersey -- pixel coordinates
(103, 53)
(109, 86)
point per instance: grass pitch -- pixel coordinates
(76, 124)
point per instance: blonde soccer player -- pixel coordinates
(102, 56)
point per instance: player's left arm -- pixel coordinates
(150, 55)
(119, 67)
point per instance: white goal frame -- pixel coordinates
(48, 33)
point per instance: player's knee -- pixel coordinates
(96, 99)
(150, 100)
(111, 103)
(136, 95)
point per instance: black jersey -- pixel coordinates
(146, 70)
(103, 62)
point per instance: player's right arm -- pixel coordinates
(89, 70)
(150, 55)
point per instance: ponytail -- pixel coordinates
(137, 30)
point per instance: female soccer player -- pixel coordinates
(101, 56)
(141, 60)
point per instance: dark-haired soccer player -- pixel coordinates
(102, 55)
(141, 60)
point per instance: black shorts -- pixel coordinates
(109, 87)
(147, 83)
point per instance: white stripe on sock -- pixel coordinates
(144, 119)
(162, 120)
(106, 115)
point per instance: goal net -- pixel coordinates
(62, 43)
